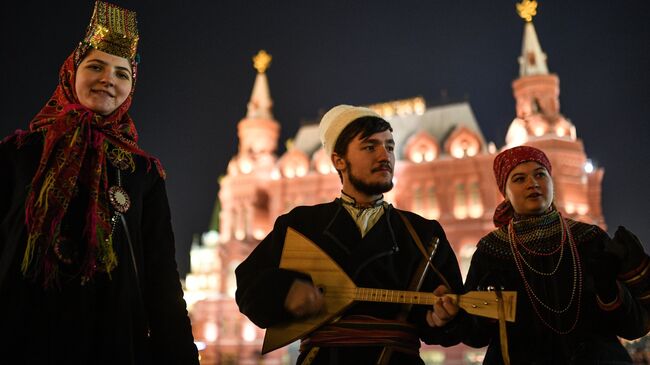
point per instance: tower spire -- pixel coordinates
(258, 132)
(532, 60)
(536, 91)
(260, 104)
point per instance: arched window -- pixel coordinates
(242, 223)
(421, 147)
(475, 204)
(433, 211)
(294, 163)
(460, 202)
(463, 143)
(418, 201)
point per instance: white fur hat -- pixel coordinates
(336, 119)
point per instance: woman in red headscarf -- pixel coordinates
(87, 267)
(570, 305)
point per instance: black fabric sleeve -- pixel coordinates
(477, 331)
(171, 332)
(630, 319)
(261, 285)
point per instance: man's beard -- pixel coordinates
(368, 189)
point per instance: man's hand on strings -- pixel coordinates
(444, 308)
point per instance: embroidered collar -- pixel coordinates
(365, 216)
(351, 201)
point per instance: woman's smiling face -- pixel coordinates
(103, 81)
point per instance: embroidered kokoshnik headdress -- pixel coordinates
(112, 30)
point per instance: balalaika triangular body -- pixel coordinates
(301, 254)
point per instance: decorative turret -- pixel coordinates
(536, 91)
(260, 104)
(532, 60)
(259, 131)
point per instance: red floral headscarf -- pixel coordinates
(74, 154)
(504, 162)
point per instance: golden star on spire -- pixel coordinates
(261, 61)
(527, 9)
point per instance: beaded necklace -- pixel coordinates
(576, 291)
(513, 237)
(537, 236)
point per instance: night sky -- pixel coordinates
(196, 77)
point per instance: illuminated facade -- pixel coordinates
(443, 172)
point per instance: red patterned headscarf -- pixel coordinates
(74, 154)
(504, 162)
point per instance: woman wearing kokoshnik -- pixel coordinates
(87, 267)
(575, 295)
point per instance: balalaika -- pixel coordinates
(339, 292)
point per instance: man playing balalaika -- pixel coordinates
(375, 245)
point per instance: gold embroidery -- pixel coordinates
(121, 159)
